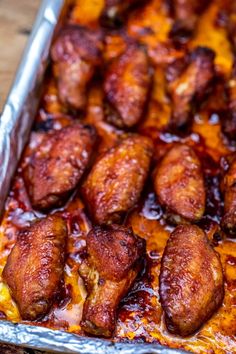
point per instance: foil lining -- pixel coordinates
(61, 342)
(15, 125)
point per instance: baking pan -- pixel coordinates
(15, 124)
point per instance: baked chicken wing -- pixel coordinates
(179, 184)
(75, 55)
(191, 280)
(35, 266)
(116, 180)
(126, 86)
(191, 85)
(58, 164)
(114, 255)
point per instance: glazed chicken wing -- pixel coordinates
(34, 268)
(126, 86)
(116, 180)
(228, 221)
(191, 280)
(114, 260)
(75, 55)
(191, 85)
(58, 164)
(179, 184)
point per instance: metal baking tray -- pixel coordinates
(15, 124)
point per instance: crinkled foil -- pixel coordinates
(15, 125)
(62, 342)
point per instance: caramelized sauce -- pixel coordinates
(140, 315)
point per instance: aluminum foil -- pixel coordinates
(62, 342)
(15, 125)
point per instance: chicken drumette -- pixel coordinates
(114, 258)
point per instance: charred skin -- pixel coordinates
(35, 266)
(75, 54)
(127, 83)
(190, 86)
(179, 184)
(191, 280)
(58, 164)
(116, 180)
(186, 14)
(229, 118)
(228, 221)
(114, 260)
(115, 11)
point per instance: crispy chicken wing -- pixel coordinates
(75, 54)
(58, 164)
(179, 184)
(114, 260)
(229, 190)
(191, 280)
(117, 179)
(35, 266)
(126, 86)
(191, 85)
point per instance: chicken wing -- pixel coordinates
(34, 268)
(58, 164)
(114, 260)
(116, 180)
(126, 86)
(179, 184)
(75, 55)
(191, 280)
(190, 86)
